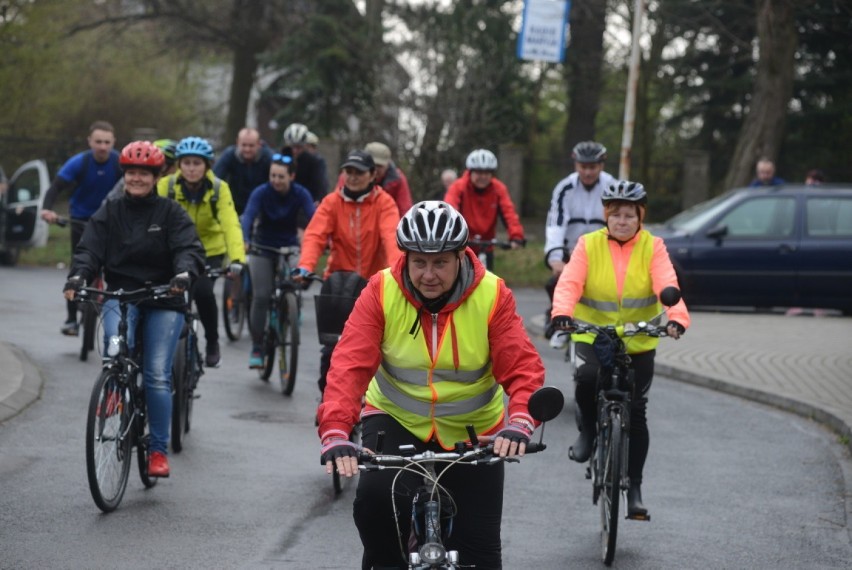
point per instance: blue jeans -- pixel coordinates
(160, 334)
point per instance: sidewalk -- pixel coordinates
(20, 381)
(802, 364)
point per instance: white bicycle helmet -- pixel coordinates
(481, 159)
(431, 226)
(589, 151)
(295, 133)
(624, 190)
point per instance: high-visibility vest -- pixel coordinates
(430, 397)
(600, 303)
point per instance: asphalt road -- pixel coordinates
(730, 484)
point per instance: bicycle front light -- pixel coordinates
(432, 553)
(114, 346)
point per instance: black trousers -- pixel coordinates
(78, 225)
(585, 396)
(205, 300)
(477, 491)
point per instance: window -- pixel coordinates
(763, 217)
(829, 216)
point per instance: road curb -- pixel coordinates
(24, 379)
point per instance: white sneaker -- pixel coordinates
(559, 339)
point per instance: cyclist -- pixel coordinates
(167, 147)
(359, 221)
(575, 208)
(140, 239)
(275, 205)
(390, 176)
(244, 166)
(481, 198)
(208, 201)
(310, 167)
(402, 347)
(89, 175)
(615, 276)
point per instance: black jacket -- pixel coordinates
(139, 241)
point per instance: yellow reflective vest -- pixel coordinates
(600, 303)
(428, 394)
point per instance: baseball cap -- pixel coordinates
(360, 159)
(380, 152)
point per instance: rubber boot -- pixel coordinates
(581, 449)
(635, 509)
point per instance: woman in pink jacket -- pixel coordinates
(615, 276)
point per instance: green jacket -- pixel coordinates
(217, 224)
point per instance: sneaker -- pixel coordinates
(158, 464)
(70, 328)
(212, 355)
(256, 358)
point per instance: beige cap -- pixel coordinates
(311, 138)
(380, 152)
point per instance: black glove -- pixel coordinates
(519, 432)
(74, 283)
(179, 283)
(520, 242)
(680, 328)
(563, 323)
(332, 448)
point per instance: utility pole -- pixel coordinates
(632, 87)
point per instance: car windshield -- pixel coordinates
(693, 218)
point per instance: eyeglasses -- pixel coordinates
(282, 158)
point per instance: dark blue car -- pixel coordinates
(783, 246)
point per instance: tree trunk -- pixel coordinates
(585, 56)
(763, 129)
(245, 66)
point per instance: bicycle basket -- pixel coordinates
(335, 302)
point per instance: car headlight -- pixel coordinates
(432, 553)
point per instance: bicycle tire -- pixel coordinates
(611, 489)
(89, 322)
(142, 453)
(195, 372)
(109, 440)
(288, 342)
(233, 312)
(180, 369)
(270, 343)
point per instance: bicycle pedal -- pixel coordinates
(639, 517)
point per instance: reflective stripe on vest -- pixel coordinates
(600, 304)
(431, 398)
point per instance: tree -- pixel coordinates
(763, 130)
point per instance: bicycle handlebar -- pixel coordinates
(476, 242)
(480, 455)
(142, 294)
(286, 250)
(625, 330)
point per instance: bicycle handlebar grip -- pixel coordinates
(535, 447)
(61, 222)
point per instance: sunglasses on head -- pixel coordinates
(282, 158)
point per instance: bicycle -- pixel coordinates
(116, 420)
(283, 320)
(484, 249)
(236, 305)
(432, 506)
(607, 468)
(89, 311)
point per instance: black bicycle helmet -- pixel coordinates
(589, 151)
(626, 191)
(432, 226)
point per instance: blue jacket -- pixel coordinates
(91, 185)
(278, 215)
(243, 177)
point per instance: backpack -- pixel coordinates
(214, 198)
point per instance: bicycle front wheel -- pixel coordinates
(109, 434)
(288, 342)
(180, 370)
(233, 312)
(270, 344)
(610, 488)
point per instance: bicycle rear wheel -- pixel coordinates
(180, 372)
(109, 435)
(610, 488)
(233, 311)
(288, 342)
(89, 322)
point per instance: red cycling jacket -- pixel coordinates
(481, 208)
